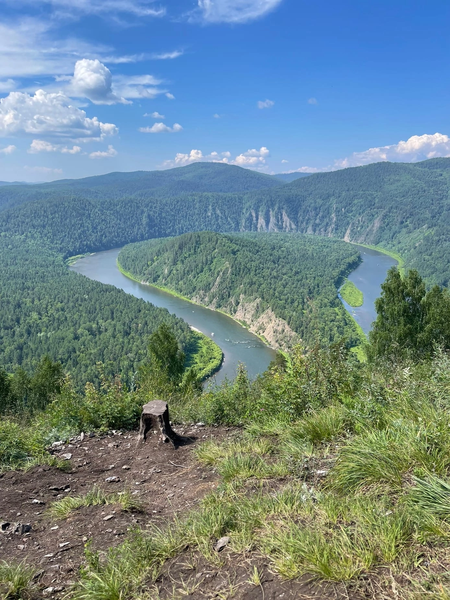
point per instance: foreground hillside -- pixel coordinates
(336, 486)
(282, 286)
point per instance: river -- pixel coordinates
(236, 342)
(368, 277)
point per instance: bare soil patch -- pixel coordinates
(167, 482)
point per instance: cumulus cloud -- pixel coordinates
(110, 153)
(233, 11)
(38, 146)
(8, 149)
(265, 104)
(252, 158)
(51, 115)
(170, 96)
(284, 161)
(161, 128)
(154, 115)
(417, 147)
(312, 101)
(92, 80)
(414, 149)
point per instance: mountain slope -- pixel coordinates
(195, 178)
(401, 207)
(283, 286)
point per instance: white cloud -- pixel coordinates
(251, 158)
(154, 115)
(233, 11)
(161, 128)
(7, 85)
(312, 101)
(51, 115)
(170, 96)
(265, 103)
(38, 146)
(44, 170)
(216, 116)
(417, 147)
(8, 150)
(74, 8)
(166, 55)
(414, 149)
(91, 79)
(138, 86)
(110, 153)
(284, 161)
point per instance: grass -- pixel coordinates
(351, 294)
(16, 580)
(62, 509)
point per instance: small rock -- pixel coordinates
(220, 545)
(36, 501)
(66, 456)
(200, 424)
(64, 544)
(5, 526)
(21, 547)
(49, 555)
(57, 444)
(108, 517)
(126, 467)
(113, 479)
(322, 473)
(48, 591)
(54, 528)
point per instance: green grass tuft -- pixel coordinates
(16, 580)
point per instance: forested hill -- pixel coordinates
(401, 207)
(284, 286)
(196, 178)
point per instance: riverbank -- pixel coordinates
(391, 253)
(186, 299)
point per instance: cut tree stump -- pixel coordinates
(155, 416)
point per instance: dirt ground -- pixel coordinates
(166, 481)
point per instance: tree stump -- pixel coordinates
(155, 416)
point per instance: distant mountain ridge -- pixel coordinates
(403, 207)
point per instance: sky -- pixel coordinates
(93, 86)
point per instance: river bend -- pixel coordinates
(236, 342)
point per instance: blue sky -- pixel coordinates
(93, 86)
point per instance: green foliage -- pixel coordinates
(295, 276)
(410, 321)
(16, 581)
(47, 310)
(62, 509)
(351, 294)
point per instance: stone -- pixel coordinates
(220, 545)
(113, 479)
(66, 456)
(5, 526)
